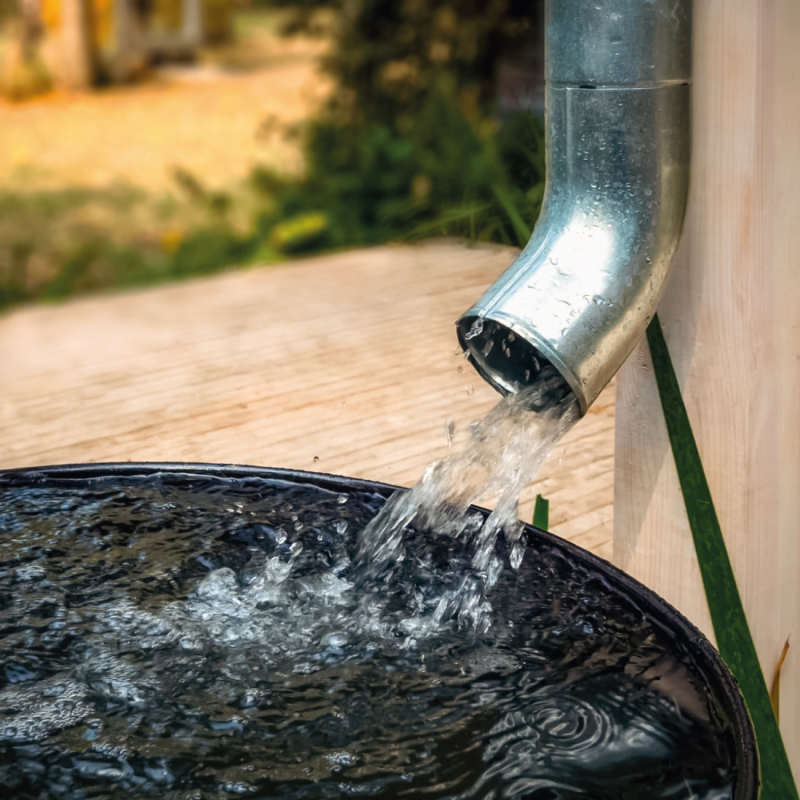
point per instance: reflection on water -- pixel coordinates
(192, 637)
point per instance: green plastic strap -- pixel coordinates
(732, 632)
(541, 513)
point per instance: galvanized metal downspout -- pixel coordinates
(618, 148)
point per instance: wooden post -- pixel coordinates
(731, 316)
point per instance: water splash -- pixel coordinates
(505, 451)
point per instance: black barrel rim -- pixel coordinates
(666, 616)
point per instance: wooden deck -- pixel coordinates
(344, 364)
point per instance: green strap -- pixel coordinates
(731, 630)
(541, 513)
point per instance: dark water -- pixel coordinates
(191, 637)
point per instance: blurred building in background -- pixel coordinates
(86, 41)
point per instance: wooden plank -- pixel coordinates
(346, 364)
(732, 321)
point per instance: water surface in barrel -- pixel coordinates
(191, 636)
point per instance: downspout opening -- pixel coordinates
(510, 363)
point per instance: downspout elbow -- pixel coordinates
(585, 287)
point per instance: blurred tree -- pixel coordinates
(410, 146)
(389, 54)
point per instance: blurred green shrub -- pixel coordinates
(409, 145)
(389, 53)
(209, 250)
(447, 176)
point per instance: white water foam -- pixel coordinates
(505, 452)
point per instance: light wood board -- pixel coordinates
(346, 364)
(731, 316)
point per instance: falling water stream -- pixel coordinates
(198, 636)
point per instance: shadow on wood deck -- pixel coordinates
(345, 364)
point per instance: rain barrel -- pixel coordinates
(204, 631)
